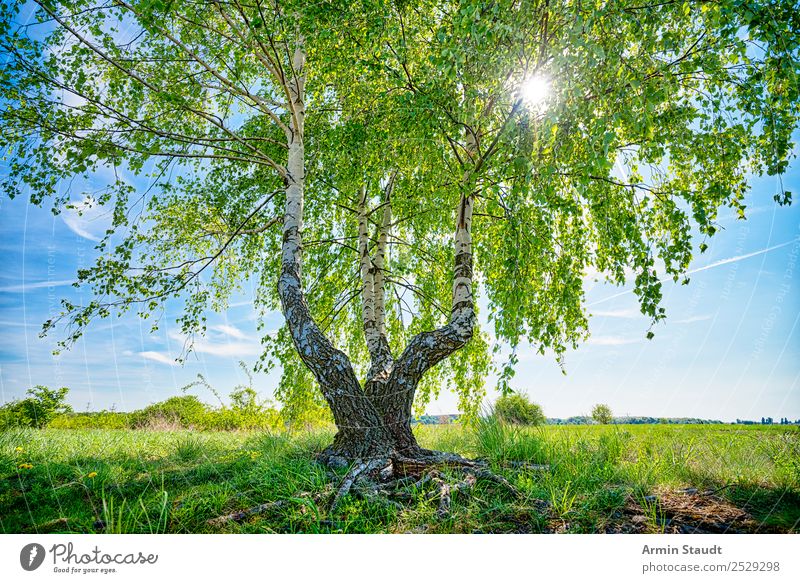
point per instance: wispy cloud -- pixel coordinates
(87, 218)
(611, 340)
(223, 347)
(76, 225)
(704, 268)
(158, 357)
(25, 287)
(692, 319)
(628, 313)
(12, 324)
(740, 257)
(230, 330)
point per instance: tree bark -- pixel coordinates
(373, 422)
(427, 349)
(361, 429)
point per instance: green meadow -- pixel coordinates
(574, 479)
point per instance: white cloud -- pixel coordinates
(231, 331)
(76, 225)
(86, 218)
(226, 348)
(158, 357)
(231, 349)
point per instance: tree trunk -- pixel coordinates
(390, 387)
(374, 422)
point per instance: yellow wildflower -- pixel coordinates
(25, 466)
(18, 449)
(91, 475)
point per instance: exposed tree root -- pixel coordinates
(393, 481)
(243, 515)
(401, 477)
(497, 479)
(264, 508)
(446, 490)
(360, 468)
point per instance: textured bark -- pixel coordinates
(373, 423)
(427, 349)
(361, 429)
(372, 295)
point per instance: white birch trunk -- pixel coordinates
(361, 428)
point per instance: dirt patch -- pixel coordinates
(682, 512)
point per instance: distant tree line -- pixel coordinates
(628, 420)
(244, 410)
(768, 421)
(44, 407)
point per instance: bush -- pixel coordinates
(518, 410)
(37, 410)
(175, 412)
(94, 420)
(45, 407)
(602, 414)
(246, 411)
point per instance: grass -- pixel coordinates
(636, 478)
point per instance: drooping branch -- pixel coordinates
(229, 85)
(131, 74)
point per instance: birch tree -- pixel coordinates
(373, 167)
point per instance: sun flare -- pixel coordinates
(535, 90)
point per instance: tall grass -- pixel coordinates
(581, 477)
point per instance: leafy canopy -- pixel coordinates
(602, 413)
(37, 410)
(169, 113)
(517, 409)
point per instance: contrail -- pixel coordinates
(740, 257)
(704, 268)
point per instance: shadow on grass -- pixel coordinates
(581, 485)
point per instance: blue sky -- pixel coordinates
(730, 347)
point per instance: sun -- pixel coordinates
(535, 90)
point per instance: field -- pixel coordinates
(578, 479)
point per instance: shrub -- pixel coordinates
(175, 412)
(518, 410)
(602, 414)
(246, 410)
(37, 410)
(93, 420)
(250, 412)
